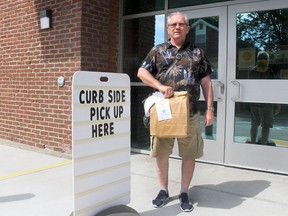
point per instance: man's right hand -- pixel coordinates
(167, 91)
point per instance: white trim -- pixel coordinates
(273, 159)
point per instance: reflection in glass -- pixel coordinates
(141, 6)
(262, 69)
(184, 3)
(262, 54)
(262, 31)
(249, 124)
(204, 33)
(210, 131)
(140, 136)
(140, 35)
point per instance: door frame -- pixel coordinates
(244, 155)
(214, 149)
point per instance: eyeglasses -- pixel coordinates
(174, 25)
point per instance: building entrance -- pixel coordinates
(247, 45)
(257, 109)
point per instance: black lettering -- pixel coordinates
(110, 96)
(92, 113)
(116, 96)
(105, 129)
(123, 96)
(94, 131)
(100, 129)
(94, 96)
(116, 114)
(99, 113)
(118, 111)
(121, 110)
(101, 97)
(111, 128)
(91, 96)
(80, 96)
(107, 112)
(88, 97)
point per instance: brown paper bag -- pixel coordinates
(177, 127)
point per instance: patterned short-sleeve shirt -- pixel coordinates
(181, 69)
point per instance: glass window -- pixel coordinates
(262, 54)
(140, 136)
(252, 127)
(140, 35)
(184, 3)
(204, 33)
(262, 45)
(210, 131)
(141, 6)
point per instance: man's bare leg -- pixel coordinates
(253, 134)
(187, 170)
(162, 167)
(265, 135)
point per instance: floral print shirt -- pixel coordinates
(181, 69)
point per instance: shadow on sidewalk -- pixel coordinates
(226, 195)
(16, 197)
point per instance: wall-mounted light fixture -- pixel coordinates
(46, 19)
(61, 81)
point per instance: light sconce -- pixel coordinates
(46, 19)
(61, 81)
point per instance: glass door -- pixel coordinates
(257, 84)
(209, 32)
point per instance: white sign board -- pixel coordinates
(101, 141)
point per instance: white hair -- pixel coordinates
(178, 13)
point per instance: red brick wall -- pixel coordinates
(100, 33)
(34, 110)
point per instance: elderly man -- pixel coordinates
(177, 65)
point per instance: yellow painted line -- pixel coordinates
(35, 170)
(281, 142)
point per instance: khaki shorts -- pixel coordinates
(262, 114)
(190, 147)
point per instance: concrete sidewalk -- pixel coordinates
(37, 183)
(215, 190)
(34, 183)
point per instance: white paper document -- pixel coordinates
(150, 101)
(163, 109)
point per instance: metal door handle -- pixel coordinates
(221, 86)
(237, 96)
